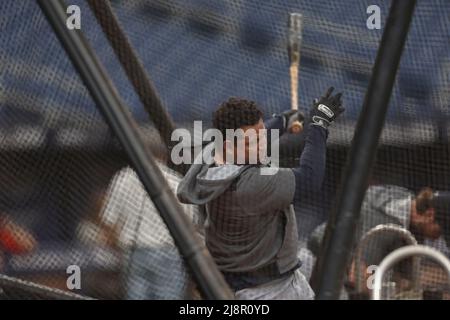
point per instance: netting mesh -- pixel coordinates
(68, 196)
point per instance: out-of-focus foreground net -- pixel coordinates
(65, 195)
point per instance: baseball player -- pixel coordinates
(250, 229)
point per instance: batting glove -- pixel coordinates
(326, 109)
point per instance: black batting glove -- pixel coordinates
(326, 109)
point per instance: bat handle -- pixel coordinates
(296, 126)
(293, 70)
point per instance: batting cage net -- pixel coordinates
(75, 220)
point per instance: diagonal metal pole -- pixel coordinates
(135, 72)
(13, 287)
(107, 99)
(330, 269)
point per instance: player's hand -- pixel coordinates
(292, 116)
(327, 109)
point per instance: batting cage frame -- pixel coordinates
(90, 179)
(339, 236)
(21, 289)
(209, 278)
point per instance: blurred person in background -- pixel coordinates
(92, 230)
(129, 222)
(424, 215)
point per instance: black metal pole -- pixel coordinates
(14, 288)
(136, 73)
(208, 277)
(339, 236)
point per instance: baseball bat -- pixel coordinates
(294, 44)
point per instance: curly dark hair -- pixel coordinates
(236, 113)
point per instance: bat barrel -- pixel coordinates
(295, 36)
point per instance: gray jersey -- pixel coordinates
(260, 226)
(250, 218)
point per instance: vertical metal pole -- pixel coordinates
(339, 236)
(208, 277)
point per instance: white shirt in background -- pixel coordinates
(128, 207)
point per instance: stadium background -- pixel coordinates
(57, 154)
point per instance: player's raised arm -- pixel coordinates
(309, 175)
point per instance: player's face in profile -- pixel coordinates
(425, 223)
